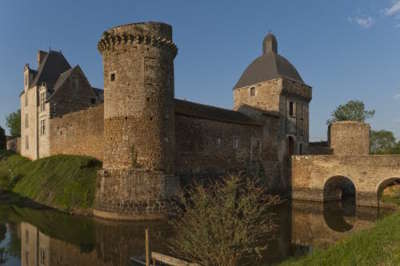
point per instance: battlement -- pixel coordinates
(145, 33)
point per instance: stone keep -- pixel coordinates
(137, 178)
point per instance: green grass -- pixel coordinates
(379, 245)
(64, 182)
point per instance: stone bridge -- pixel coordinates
(329, 177)
(348, 169)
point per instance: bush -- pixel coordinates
(226, 223)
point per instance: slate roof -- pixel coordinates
(208, 112)
(53, 65)
(269, 66)
(99, 93)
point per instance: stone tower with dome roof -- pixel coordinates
(272, 84)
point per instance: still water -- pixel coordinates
(37, 237)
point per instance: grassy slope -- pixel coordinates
(65, 182)
(377, 246)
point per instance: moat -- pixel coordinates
(30, 236)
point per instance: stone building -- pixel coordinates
(148, 140)
(53, 90)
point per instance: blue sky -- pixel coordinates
(344, 49)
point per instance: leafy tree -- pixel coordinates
(396, 148)
(351, 111)
(3, 139)
(382, 141)
(225, 223)
(13, 121)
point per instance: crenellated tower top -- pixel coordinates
(146, 33)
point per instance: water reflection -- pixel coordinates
(45, 237)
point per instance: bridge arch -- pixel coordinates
(388, 182)
(338, 188)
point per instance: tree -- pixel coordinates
(13, 122)
(351, 111)
(382, 141)
(3, 140)
(225, 223)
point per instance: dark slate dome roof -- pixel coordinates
(269, 66)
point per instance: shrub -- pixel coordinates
(224, 223)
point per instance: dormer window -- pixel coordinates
(252, 91)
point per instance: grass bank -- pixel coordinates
(379, 245)
(65, 182)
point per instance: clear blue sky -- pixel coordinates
(343, 49)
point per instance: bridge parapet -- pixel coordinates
(368, 173)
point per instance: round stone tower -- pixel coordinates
(137, 178)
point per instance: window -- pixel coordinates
(42, 101)
(236, 142)
(301, 122)
(291, 109)
(218, 141)
(26, 143)
(300, 149)
(252, 91)
(112, 76)
(26, 98)
(93, 101)
(42, 127)
(26, 236)
(26, 120)
(42, 256)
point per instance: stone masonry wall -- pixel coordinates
(78, 133)
(267, 95)
(349, 138)
(212, 147)
(139, 96)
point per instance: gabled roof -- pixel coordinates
(53, 65)
(208, 112)
(269, 66)
(64, 77)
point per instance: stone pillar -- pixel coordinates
(137, 178)
(349, 138)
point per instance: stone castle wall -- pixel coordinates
(205, 147)
(78, 133)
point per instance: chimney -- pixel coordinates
(40, 57)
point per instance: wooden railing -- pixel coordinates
(157, 258)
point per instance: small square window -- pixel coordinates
(112, 77)
(93, 101)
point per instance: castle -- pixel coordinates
(148, 140)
